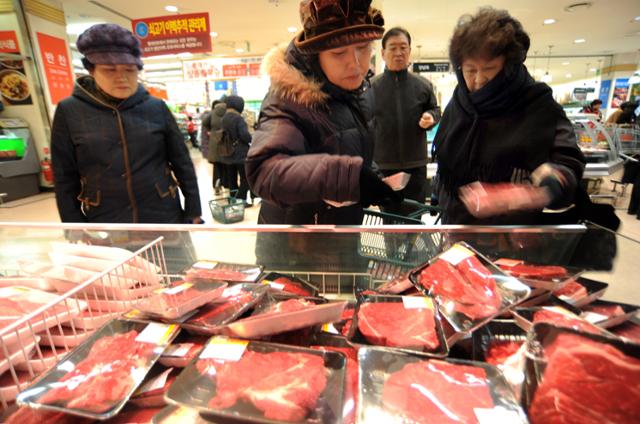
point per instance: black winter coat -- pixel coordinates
(312, 140)
(120, 164)
(235, 126)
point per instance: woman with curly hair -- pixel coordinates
(501, 126)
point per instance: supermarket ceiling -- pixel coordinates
(254, 26)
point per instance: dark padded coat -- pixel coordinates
(312, 140)
(120, 164)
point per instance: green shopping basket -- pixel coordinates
(227, 209)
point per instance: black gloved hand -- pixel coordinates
(373, 191)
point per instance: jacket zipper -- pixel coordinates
(125, 153)
(399, 117)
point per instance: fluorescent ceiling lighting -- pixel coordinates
(292, 29)
(239, 50)
(213, 34)
(637, 19)
(566, 63)
(568, 76)
(171, 8)
(549, 21)
(579, 40)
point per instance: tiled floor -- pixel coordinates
(623, 280)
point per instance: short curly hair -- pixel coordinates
(489, 34)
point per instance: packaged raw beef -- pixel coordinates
(263, 382)
(181, 298)
(486, 199)
(581, 291)
(97, 378)
(104, 252)
(218, 271)
(235, 301)
(468, 288)
(17, 355)
(398, 285)
(286, 284)
(338, 344)
(398, 387)
(608, 314)
(526, 317)
(403, 322)
(42, 359)
(10, 386)
(35, 282)
(630, 330)
(25, 415)
(179, 355)
(581, 378)
(151, 392)
(545, 277)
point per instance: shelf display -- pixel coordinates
(304, 332)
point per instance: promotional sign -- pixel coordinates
(431, 67)
(580, 93)
(201, 70)
(620, 92)
(235, 70)
(161, 35)
(14, 86)
(57, 67)
(605, 89)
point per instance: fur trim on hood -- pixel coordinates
(288, 83)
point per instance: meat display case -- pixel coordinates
(598, 144)
(339, 261)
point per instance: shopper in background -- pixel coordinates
(594, 108)
(405, 107)
(235, 127)
(203, 135)
(117, 152)
(311, 157)
(214, 126)
(192, 131)
(501, 125)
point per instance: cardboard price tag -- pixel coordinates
(156, 333)
(456, 254)
(417, 302)
(224, 348)
(329, 328)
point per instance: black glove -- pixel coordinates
(373, 191)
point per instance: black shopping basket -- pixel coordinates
(227, 209)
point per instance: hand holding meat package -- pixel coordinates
(263, 382)
(405, 322)
(575, 377)
(97, 378)
(469, 289)
(397, 387)
(484, 200)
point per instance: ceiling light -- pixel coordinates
(568, 76)
(292, 29)
(579, 40)
(566, 63)
(171, 9)
(549, 21)
(213, 34)
(239, 50)
(637, 19)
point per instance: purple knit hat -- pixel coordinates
(109, 44)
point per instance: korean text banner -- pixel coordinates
(188, 33)
(57, 67)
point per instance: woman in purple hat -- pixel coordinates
(311, 156)
(118, 155)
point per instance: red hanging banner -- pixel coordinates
(57, 68)
(188, 33)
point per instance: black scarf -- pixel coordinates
(484, 136)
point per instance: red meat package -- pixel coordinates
(586, 379)
(285, 284)
(484, 200)
(181, 298)
(572, 291)
(404, 388)
(218, 271)
(465, 283)
(99, 376)
(264, 382)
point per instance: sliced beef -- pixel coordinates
(500, 350)
(586, 382)
(216, 314)
(291, 305)
(391, 324)
(25, 415)
(284, 386)
(436, 392)
(572, 290)
(537, 271)
(606, 310)
(561, 320)
(293, 287)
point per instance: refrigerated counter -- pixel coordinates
(19, 165)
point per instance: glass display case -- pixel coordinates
(598, 144)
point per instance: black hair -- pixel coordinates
(393, 32)
(190, 118)
(596, 102)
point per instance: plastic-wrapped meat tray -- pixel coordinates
(399, 387)
(96, 379)
(545, 277)
(559, 360)
(131, 290)
(38, 283)
(183, 350)
(247, 377)
(402, 304)
(42, 359)
(235, 302)
(181, 298)
(594, 290)
(18, 356)
(288, 285)
(219, 271)
(555, 315)
(496, 331)
(9, 389)
(462, 274)
(607, 314)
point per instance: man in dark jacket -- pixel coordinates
(213, 126)
(118, 154)
(235, 127)
(405, 107)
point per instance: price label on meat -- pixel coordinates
(178, 350)
(560, 310)
(178, 289)
(594, 318)
(497, 415)
(273, 285)
(205, 265)
(156, 333)
(508, 263)
(232, 291)
(417, 302)
(224, 348)
(456, 254)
